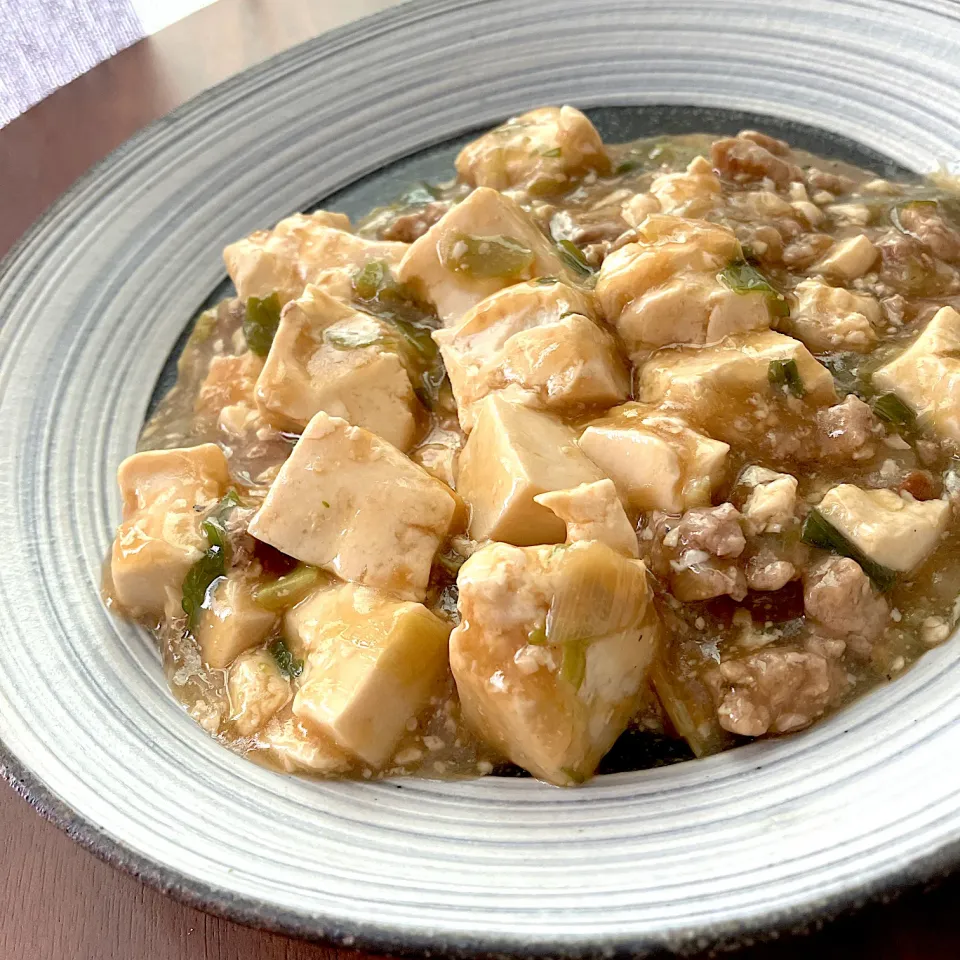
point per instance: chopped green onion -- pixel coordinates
(573, 665)
(417, 195)
(819, 532)
(743, 278)
(204, 326)
(371, 279)
(573, 257)
(287, 590)
(538, 635)
(553, 152)
(546, 281)
(627, 166)
(351, 338)
(786, 374)
(288, 665)
(260, 323)
(451, 562)
(485, 257)
(893, 410)
(213, 564)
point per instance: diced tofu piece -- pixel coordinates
(545, 150)
(257, 691)
(926, 376)
(373, 663)
(692, 193)
(771, 503)
(313, 248)
(439, 453)
(656, 461)
(438, 267)
(896, 532)
(831, 318)
(725, 389)
(534, 341)
(593, 511)
(552, 653)
(298, 750)
(349, 502)
(328, 356)
(230, 380)
(513, 454)
(665, 288)
(160, 536)
(232, 622)
(848, 259)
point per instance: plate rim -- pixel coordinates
(800, 918)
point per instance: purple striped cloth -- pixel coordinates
(46, 43)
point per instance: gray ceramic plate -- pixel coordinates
(93, 302)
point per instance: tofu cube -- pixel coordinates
(349, 502)
(512, 455)
(897, 532)
(848, 259)
(665, 288)
(545, 150)
(295, 749)
(771, 502)
(315, 248)
(926, 376)
(450, 267)
(692, 193)
(725, 389)
(373, 664)
(257, 691)
(232, 622)
(657, 462)
(230, 380)
(593, 511)
(328, 356)
(552, 653)
(160, 538)
(537, 343)
(832, 319)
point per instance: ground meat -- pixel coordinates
(411, 226)
(778, 147)
(831, 182)
(762, 242)
(779, 689)
(894, 308)
(838, 595)
(742, 159)
(766, 571)
(848, 429)
(920, 484)
(697, 553)
(907, 267)
(924, 223)
(806, 250)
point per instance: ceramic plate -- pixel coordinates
(93, 303)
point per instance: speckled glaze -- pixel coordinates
(92, 302)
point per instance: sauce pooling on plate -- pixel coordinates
(595, 457)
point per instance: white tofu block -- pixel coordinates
(257, 691)
(897, 532)
(349, 502)
(160, 536)
(848, 259)
(552, 653)
(656, 461)
(545, 150)
(328, 356)
(593, 511)
(433, 266)
(373, 664)
(926, 376)
(313, 248)
(512, 455)
(232, 622)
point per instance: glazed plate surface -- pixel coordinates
(94, 302)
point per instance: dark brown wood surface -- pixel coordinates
(58, 902)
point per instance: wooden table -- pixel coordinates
(58, 902)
